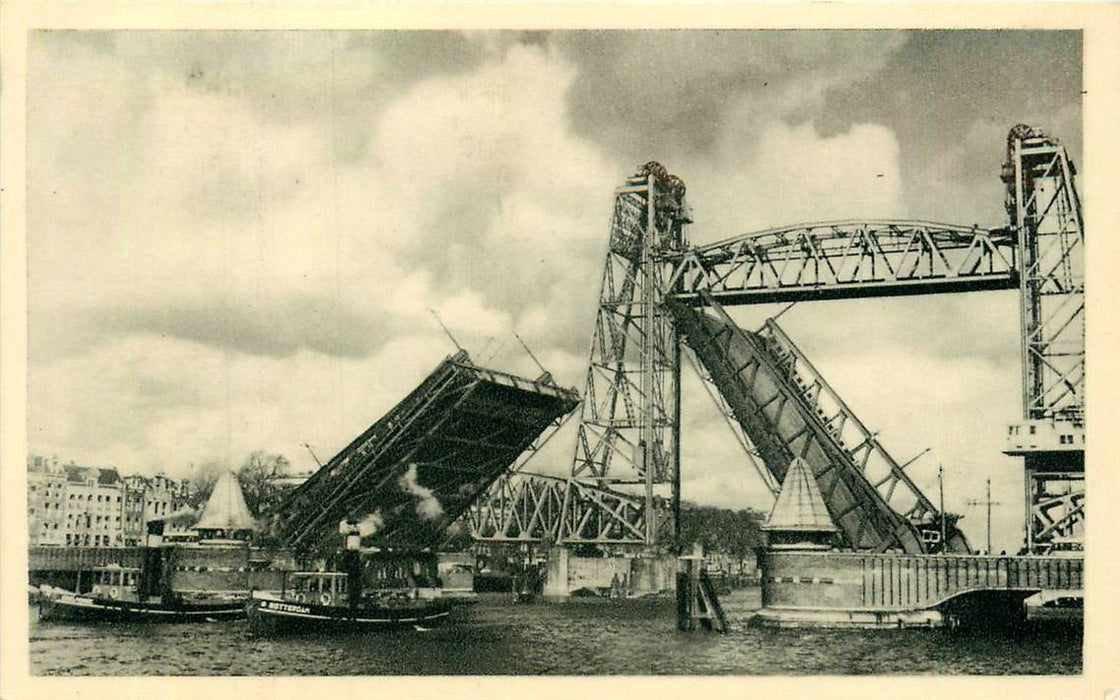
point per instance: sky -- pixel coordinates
(235, 238)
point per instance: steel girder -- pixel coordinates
(877, 465)
(1059, 514)
(781, 401)
(845, 260)
(534, 508)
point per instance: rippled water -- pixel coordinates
(636, 637)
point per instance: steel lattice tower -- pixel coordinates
(629, 432)
(1045, 215)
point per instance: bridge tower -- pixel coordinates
(629, 431)
(1045, 216)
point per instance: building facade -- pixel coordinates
(46, 501)
(71, 505)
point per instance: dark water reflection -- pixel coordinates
(579, 637)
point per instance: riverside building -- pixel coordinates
(72, 505)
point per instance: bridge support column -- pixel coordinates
(556, 576)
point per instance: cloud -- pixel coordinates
(671, 95)
(781, 174)
(234, 238)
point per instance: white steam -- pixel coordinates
(427, 506)
(367, 526)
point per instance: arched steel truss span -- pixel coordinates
(524, 508)
(845, 260)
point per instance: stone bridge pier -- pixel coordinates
(842, 589)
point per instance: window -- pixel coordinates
(1032, 429)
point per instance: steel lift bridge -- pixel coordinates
(657, 291)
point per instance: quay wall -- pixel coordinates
(205, 568)
(188, 568)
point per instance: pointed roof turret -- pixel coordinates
(226, 509)
(800, 506)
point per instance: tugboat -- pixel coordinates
(147, 593)
(324, 600)
(116, 596)
(338, 601)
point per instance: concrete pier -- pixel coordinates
(631, 576)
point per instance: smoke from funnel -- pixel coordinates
(370, 524)
(367, 526)
(427, 505)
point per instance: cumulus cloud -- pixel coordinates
(671, 94)
(791, 174)
(235, 238)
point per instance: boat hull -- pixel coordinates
(83, 608)
(274, 616)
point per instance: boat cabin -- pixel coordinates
(318, 587)
(115, 583)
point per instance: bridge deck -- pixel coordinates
(783, 423)
(420, 466)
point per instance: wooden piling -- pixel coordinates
(698, 605)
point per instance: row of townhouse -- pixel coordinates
(71, 505)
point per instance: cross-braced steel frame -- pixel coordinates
(1045, 215)
(629, 428)
(846, 260)
(533, 508)
(789, 411)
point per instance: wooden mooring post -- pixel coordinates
(697, 604)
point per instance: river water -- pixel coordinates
(579, 637)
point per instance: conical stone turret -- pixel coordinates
(225, 515)
(800, 519)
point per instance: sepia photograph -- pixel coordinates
(555, 352)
